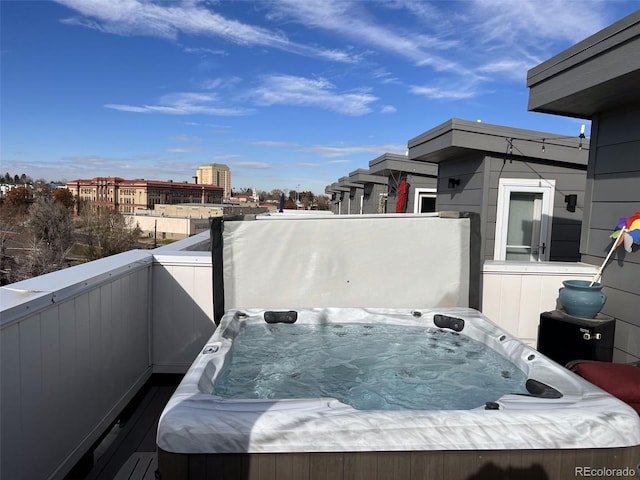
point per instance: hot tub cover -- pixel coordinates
(348, 261)
(197, 421)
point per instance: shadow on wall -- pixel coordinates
(526, 240)
(491, 471)
(181, 322)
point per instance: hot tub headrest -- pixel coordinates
(289, 316)
(445, 321)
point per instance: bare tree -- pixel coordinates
(323, 202)
(107, 232)
(51, 237)
(6, 261)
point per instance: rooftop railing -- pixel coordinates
(78, 344)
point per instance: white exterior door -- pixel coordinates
(523, 220)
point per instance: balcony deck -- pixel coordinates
(80, 344)
(128, 451)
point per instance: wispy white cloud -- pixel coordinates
(341, 56)
(251, 165)
(451, 92)
(527, 23)
(220, 83)
(335, 151)
(332, 151)
(183, 137)
(211, 84)
(273, 144)
(74, 167)
(384, 77)
(420, 9)
(510, 37)
(308, 92)
(504, 65)
(476, 40)
(205, 51)
(228, 156)
(350, 19)
(169, 19)
(179, 150)
(388, 109)
(185, 103)
(208, 125)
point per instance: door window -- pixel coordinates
(523, 221)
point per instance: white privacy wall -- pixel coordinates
(182, 308)
(514, 294)
(386, 261)
(74, 350)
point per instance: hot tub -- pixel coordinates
(560, 416)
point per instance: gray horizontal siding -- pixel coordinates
(478, 192)
(613, 189)
(470, 191)
(605, 215)
(420, 181)
(618, 127)
(459, 199)
(618, 188)
(566, 226)
(372, 198)
(600, 244)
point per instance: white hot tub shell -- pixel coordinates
(197, 421)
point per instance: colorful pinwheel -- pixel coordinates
(628, 232)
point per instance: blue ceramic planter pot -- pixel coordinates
(579, 299)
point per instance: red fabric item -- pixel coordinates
(403, 193)
(620, 380)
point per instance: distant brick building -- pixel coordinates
(128, 196)
(215, 174)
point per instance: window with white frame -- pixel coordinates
(523, 219)
(424, 200)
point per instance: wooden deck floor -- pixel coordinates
(128, 451)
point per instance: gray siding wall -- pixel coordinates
(613, 190)
(478, 192)
(344, 206)
(565, 228)
(342, 203)
(391, 201)
(354, 196)
(468, 196)
(372, 197)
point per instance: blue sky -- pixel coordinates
(289, 93)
